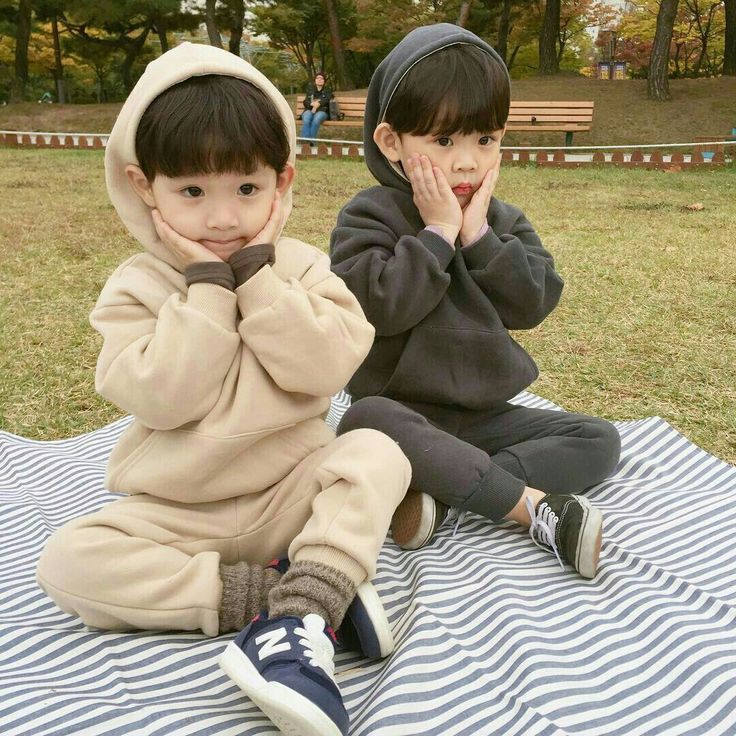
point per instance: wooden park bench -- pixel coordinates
(353, 108)
(569, 116)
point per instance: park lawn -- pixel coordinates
(646, 325)
(623, 114)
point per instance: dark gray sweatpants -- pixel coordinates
(481, 460)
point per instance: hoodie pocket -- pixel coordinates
(471, 368)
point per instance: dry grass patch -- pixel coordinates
(646, 326)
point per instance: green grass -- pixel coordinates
(647, 324)
(623, 114)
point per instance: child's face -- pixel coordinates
(463, 158)
(222, 212)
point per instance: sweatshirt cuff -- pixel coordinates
(262, 290)
(443, 251)
(246, 262)
(220, 305)
(211, 272)
(483, 230)
(480, 251)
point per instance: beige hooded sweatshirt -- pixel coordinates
(228, 389)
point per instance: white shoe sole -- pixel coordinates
(377, 614)
(414, 520)
(291, 713)
(589, 543)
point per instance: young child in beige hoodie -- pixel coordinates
(225, 340)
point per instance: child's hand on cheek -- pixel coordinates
(476, 211)
(436, 202)
(187, 251)
(271, 230)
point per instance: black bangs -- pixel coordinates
(210, 124)
(458, 89)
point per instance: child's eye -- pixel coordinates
(485, 140)
(192, 192)
(444, 141)
(247, 189)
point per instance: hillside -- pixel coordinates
(623, 114)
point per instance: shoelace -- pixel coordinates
(543, 526)
(317, 645)
(456, 515)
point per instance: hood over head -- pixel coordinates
(417, 45)
(185, 61)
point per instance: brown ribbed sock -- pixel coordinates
(311, 587)
(245, 589)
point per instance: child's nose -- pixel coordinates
(465, 162)
(221, 218)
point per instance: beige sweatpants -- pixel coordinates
(148, 563)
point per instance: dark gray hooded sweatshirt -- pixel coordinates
(441, 314)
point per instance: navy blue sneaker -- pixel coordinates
(365, 628)
(285, 666)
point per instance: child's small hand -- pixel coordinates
(271, 230)
(476, 211)
(436, 202)
(187, 251)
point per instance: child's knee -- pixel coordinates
(371, 412)
(608, 442)
(69, 557)
(382, 459)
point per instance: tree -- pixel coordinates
(297, 25)
(235, 10)
(338, 51)
(462, 18)
(211, 24)
(125, 25)
(102, 59)
(504, 28)
(658, 87)
(50, 11)
(548, 39)
(729, 52)
(577, 17)
(22, 39)
(705, 27)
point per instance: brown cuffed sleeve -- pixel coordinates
(211, 272)
(248, 261)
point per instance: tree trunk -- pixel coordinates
(658, 87)
(236, 26)
(209, 19)
(58, 67)
(548, 38)
(18, 90)
(704, 35)
(729, 52)
(338, 52)
(504, 27)
(513, 57)
(462, 19)
(131, 54)
(161, 32)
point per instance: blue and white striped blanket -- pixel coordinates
(492, 637)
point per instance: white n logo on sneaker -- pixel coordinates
(271, 645)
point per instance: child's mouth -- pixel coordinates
(462, 189)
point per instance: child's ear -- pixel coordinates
(388, 141)
(284, 179)
(141, 185)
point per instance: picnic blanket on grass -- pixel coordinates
(492, 636)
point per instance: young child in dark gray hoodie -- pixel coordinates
(443, 270)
